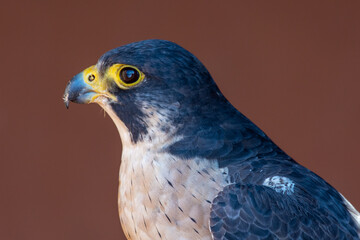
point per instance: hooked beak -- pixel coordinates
(78, 91)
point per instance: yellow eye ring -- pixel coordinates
(125, 76)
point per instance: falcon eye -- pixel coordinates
(91, 77)
(129, 75)
(125, 76)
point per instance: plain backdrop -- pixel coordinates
(292, 67)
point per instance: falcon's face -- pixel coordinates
(143, 81)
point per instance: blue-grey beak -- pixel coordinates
(78, 91)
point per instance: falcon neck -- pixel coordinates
(217, 130)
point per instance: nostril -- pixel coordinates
(91, 77)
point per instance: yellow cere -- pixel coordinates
(114, 73)
(92, 77)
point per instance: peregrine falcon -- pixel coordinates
(193, 166)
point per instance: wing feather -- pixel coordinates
(245, 211)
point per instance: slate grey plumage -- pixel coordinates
(178, 117)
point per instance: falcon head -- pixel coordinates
(148, 88)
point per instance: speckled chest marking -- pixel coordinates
(162, 196)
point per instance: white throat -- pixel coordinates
(158, 191)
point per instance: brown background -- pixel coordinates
(292, 67)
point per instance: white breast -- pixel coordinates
(160, 195)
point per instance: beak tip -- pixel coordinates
(66, 100)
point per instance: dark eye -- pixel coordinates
(129, 75)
